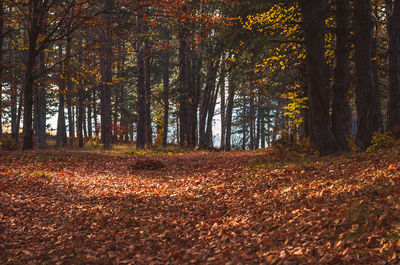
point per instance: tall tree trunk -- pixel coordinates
(14, 107)
(123, 105)
(95, 115)
(313, 20)
(229, 112)
(341, 111)
(69, 91)
(183, 90)
(19, 115)
(141, 93)
(262, 124)
(165, 66)
(41, 96)
(147, 85)
(81, 95)
(211, 108)
(244, 123)
(33, 33)
(196, 95)
(1, 66)
(252, 117)
(258, 131)
(206, 106)
(394, 67)
(369, 119)
(192, 103)
(89, 113)
(61, 136)
(106, 76)
(223, 109)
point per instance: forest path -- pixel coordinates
(71, 207)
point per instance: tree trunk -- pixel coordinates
(394, 67)
(33, 34)
(244, 123)
(61, 137)
(341, 111)
(229, 112)
(313, 20)
(1, 66)
(223, 114)
(369, 119)
(81, 95)
(69, 91)
(41, 96)
(106, 77)
(95, 115)
(141, 94)
(206, 104)
(147, 85)
(258, 131)
(19, 115)
(252, 117)
(89, 114)
(262, 124)
(14, 107)
(165, 66)
(211, 110)
(183, 90)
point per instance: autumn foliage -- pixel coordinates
(211, 208)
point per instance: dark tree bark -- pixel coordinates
(13, 101)
(369, 119)
(341, 111)
(183, 93)
(95, 114)
(262, 124)
(106, 76)
(81, 98)
(393, 124)
(61, 137)
(41, 96)
(192, 79)
(89, 113)
(141, 94)
(147, 84)
(166, 72)
(244, 122)
(1, 66)
(223, 114)
(252, 118)
(206, 106)
(305, 112)
(313, 12)
(69, 92)
(211, 108)
(259, 117)
(33, 33)
(229, 111)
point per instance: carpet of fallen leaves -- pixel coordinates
(66, 207)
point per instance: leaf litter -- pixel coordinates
(65, 207)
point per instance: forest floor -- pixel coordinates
(255, 207)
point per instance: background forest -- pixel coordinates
(162, 72)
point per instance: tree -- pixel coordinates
(341, 111)
(393, 20)
(369, 118)
(313, 22)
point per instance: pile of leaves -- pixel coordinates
(59, 207)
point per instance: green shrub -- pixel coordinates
(380, 141)
(293, 143)
(8, 144)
